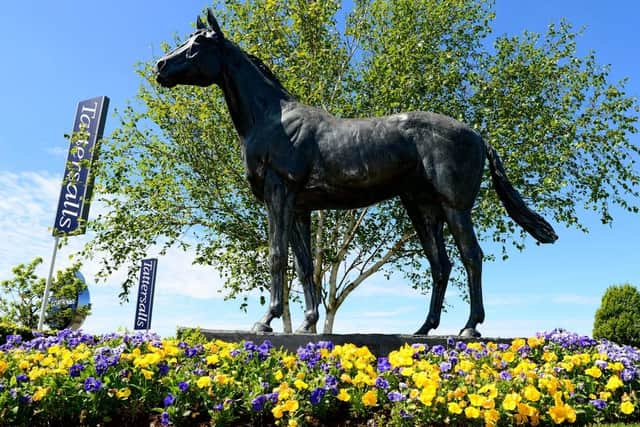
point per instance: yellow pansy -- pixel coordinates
(203, 382)
(508, 356)
(534, 342)
(460, 392)
(454, 408)
(293, 423)
(147, 373)
(36, 373)
(517, 344)
(489, 389)
(627, 407)
(526, 410)
(491, 417)
(278, 375)
(40, 393)
(471, 412)
(614, 383)
(3, 366)
(510, 401)
(300, 385)
(213, 359)
(561, 413)
(474, 346)
(278, 411)
(464, 365)
(407, 372)
(343, 395)
(289, 361)
(291, 405)
(426, 395)
(370, 398)
(402, 357)
(531, 393)
(604, 395)
(284, 391)
(475, 399)
(123, 393)
(615, 366)
(223, 379)
(47, 361)
(593, 371)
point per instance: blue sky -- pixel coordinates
(57, 53)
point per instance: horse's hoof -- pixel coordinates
(470, 333)
(261, 327)
(424, 330)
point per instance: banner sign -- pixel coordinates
(77, 184)
(144, 302)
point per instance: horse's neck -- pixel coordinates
(249, 94)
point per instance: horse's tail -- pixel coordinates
(533, 223)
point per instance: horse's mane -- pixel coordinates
(266, 71)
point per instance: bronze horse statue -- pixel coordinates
(300, 158)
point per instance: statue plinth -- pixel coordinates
(378, 344)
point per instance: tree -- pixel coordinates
(171, 173)
(618, 318)
(21, 297)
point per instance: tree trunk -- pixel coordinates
(329, 319)
(286, 312)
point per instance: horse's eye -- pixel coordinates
(200, 39)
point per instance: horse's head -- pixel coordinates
(197, 61)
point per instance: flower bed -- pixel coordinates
(553, 378)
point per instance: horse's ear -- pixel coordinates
(199, 24)
(213, 23)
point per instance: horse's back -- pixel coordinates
(357, 162)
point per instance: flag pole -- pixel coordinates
(47, 288)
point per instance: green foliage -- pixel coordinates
(191, 336)
(172, 173)
(7, 328)
(21, 296)
(618, 318)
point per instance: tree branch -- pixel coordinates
(375, 267)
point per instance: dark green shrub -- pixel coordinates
(191, 336)
(13, 329)
(618, 318)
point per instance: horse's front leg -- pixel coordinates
(279, 203)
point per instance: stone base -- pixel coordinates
(378, 344)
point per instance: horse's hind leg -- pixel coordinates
(461, 227)
(280, 203)
(301, 244)
(427, 221)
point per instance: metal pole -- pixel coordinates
(47, 288)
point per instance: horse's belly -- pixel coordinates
(317, 199)
(344, 196)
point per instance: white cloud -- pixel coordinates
(575, 299)
(27, 209)
(564, 299)
(388, 313)
(387, 288)
(58, 151)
